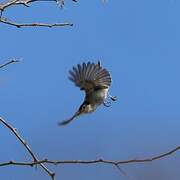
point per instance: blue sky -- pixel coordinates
(138, 42)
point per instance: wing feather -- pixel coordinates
(88, 76)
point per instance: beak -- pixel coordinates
(78, 113)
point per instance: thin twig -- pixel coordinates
(24, 143)
(10, 3)
(10, 62)
(123, 172)
(104, 161)
(7, 4)
(5, 21)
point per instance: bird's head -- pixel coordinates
(86, 108)
(83, 109)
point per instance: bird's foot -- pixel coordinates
(113, 98)
(107, 103)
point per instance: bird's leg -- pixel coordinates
(113, 98)
(107, 103)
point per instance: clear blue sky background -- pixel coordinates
(138, 41)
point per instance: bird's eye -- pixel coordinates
(82, 107)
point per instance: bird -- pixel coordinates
(95, 81)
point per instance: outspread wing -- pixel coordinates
(89, 76)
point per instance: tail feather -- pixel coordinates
(65, 122)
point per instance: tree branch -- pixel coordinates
(58, 162)
(27, 147)
(10, 62)
(26, 3)
(5, 21)
(97, 161)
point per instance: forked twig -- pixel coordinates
(58, 162)
(27, 147)
(105, 161)
(26, 3)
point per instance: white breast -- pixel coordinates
(100, 95)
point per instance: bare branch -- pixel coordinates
(10, 3)
(27, 147)
(10, 62)
(5, 21)
(7, 4)
(85, 162)
(116, 162)
(98, 161)
(21, 2)
(27, 3)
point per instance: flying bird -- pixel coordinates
(95, 81)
